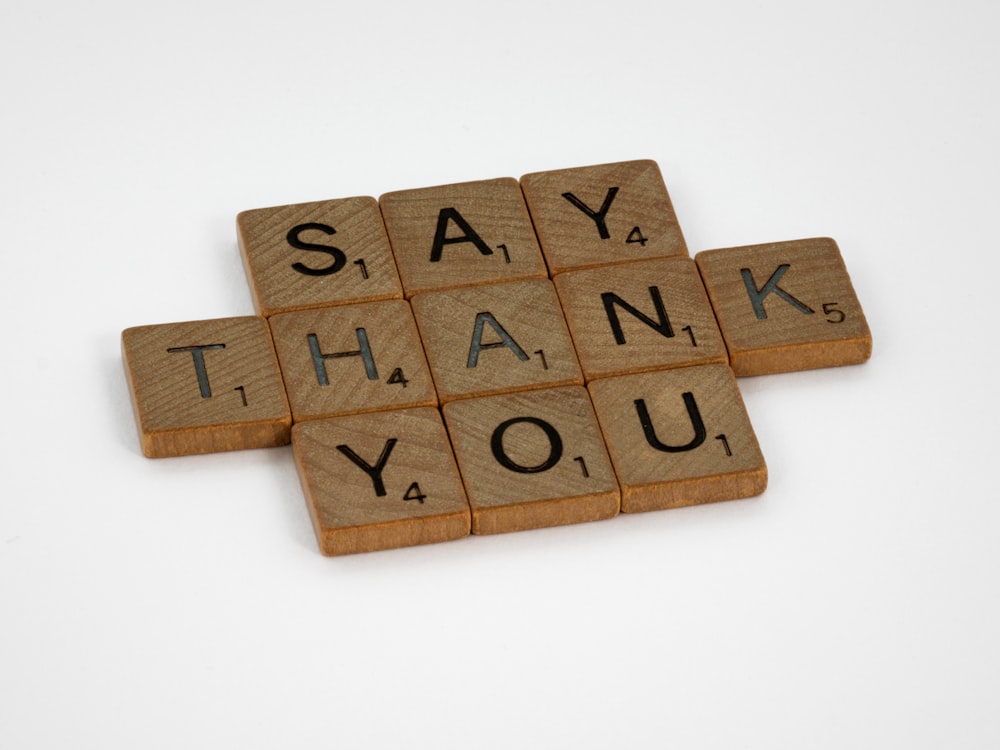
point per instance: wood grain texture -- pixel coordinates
(378, 311)
(495, 339)
(679, 437)
(317, 254)
(785, 306)
(205, 386)
(601, 214)
(462, 234)
(352, 359)
(379, 481)
(532, 459)
(671, 323)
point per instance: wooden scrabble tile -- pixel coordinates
(352, 359)
(494, 339)
(463, 234)
(785, 306)
(644, 315)
(378, 481)
(205, 386)
(608, 213)
(678, 437)
(317, 254)
(532, 459)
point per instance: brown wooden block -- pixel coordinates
(639, 316)
(378, 481)
(532, 459)
(494, 339)
(352, 359)
(205, 386)
(679, 437)
(785, 306)
(317, 254)
(608, 213)
(462, 234)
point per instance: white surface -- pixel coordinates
(183, 602)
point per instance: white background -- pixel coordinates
(184, 603)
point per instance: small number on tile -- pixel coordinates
(397, 378)
(725, 444)
(413, 493)
(636, 236)
(829, 308)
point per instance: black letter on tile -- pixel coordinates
(199, 364)
(693, 413)
(610, 299)
(597, 216)
(375, 472)
(470, 235)
(505, 340)
(318, 357)
(339, 259)
(757, 295)
(555, 446)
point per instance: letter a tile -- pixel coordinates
(785, 306)
(378, 481)
(494, 339)
(460, 235)
(205, 386)
(679, 437)
(532, 459)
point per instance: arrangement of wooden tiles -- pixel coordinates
(494, 356)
